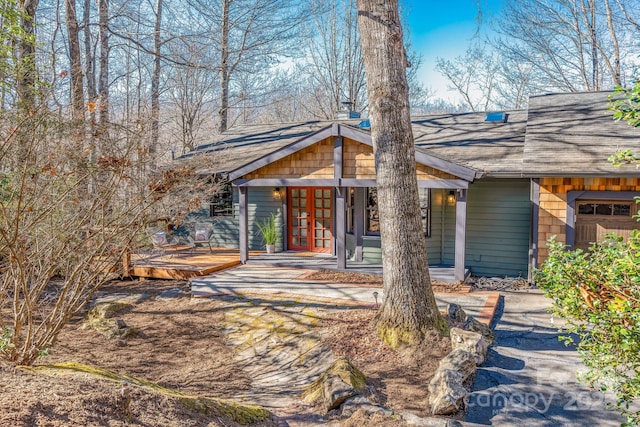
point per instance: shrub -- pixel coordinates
(597, 292)
(269, 230)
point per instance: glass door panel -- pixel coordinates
(310, 219)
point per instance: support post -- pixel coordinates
(461, 231)
(341, 232)
(535, 215)
(358, 221)
(243, 224)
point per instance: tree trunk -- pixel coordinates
(223, 112)
(409, 308)
(103, 78)
(90, 67)
(26, 77)
(77, 90)
(155, 86)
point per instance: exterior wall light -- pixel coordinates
(277, 194)
(451, 198)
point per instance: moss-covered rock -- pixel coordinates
(341, 368)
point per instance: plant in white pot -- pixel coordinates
(269, 233)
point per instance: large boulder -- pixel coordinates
(470, 341)
(335, 392)
(446, 392)
(459, 360)
(474, 325)
(338, 383)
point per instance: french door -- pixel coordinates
(310, 218)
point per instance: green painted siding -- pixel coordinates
(498, 224)
(372, 253)
(261, 205)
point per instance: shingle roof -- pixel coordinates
(244, 144)
(573, 134)
(560, 134)
(466, 139)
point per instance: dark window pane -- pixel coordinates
(620, 209)
(586, 209)
(222, 203)
(603, 209)
(373, 222)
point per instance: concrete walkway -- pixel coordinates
(254, 279)
(529, 378)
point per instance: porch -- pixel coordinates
(184, 264)
(325, 192)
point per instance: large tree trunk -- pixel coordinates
(77, 89)
(90, 61)
(409, 308)
(223, 112)
(155, 86)
(26, 77)
(103, 78)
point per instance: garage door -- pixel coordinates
(596, 218)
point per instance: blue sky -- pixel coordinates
(443, 29)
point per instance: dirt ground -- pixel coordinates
(180, 344)
(374, 280)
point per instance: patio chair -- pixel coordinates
(202, 234)
(161, 240)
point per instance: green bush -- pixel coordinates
(597, 292)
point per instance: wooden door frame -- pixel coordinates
(311, 220)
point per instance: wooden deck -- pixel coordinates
(182, 264)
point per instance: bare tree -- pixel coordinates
(570, 45)
(335, 69)
(77, 77)
(473, 76)
(409, 308)
(155, 81)
(103, 77)
(190, 90)
(249, 36)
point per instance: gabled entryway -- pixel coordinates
(320, 173)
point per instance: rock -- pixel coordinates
(456, 313)
(335, 392)
(446, 392)
(353, 404)
(470, 341)
(475, 326)
(105, 310)
(170, 294)
(340, 368)
(461, 361)
(414, 420)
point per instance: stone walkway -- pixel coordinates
(277, 346)
(529, 378)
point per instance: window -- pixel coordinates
(425, 210)
(222, 203)
(351, 199)
(372, 220)
(604, 208)
(372, 225)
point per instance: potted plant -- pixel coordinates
(269, 232)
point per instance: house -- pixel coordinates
(493, 187)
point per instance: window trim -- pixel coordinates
(425, 220)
